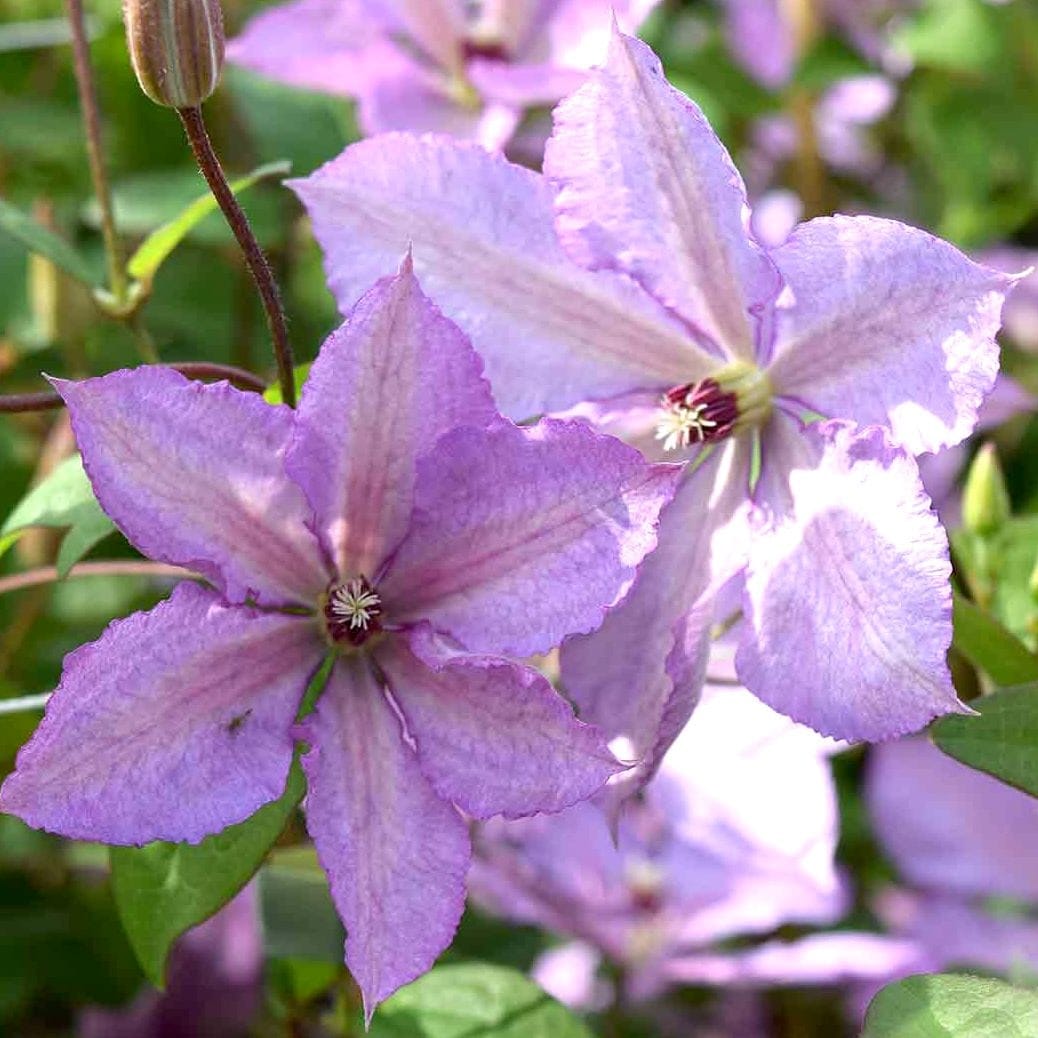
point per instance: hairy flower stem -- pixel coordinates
(48, 400)
(92, 124)
(115, 568)
(209, 164)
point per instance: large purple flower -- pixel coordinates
(458, 67)
(415, 534)
(675, 328)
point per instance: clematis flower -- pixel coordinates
(627, 289)
(469, 69)
(733, 838)
(415, 535)
(965, 845)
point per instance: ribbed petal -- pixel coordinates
(193, 475)
(524, 536)
(384, 388)
(395, 853)
(646, 188)
(492, 736)
(173, 725)
(887, 325)
(847, 606)
(639, 676)
(485, 250)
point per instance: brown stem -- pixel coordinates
(48, 400)
(209, 164)
(92, 125)
(49, 574)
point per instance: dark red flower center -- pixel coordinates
(697, 412)
(352, 611)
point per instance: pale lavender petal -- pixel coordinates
(887, 325)
(949, 827)
(491, 735)
(330, 45)
(761, 39)
(193, 474)
(435, 25)
(858, 100)
(522, 85)
(383, 389)
(639, 675)
(830, 958)
(847, 606)
(1020, 314)
(568, 973)
(485, 250)
(405, 95)
(646, 188)
(524, 536)
(578, 31)
(395, 853)
(173, 725)
(775, 214)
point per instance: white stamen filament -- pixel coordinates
(355, 604)
(679, 424)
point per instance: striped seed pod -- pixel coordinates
(176, 47)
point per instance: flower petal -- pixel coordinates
(949, 827)
(491, 735)
(646, 188)
(486, 252)
(330, 45)
(638, 676)
(847, 605)
(384, 388)
(523, 536)
(395, 853)
(887, 325)
(192, 474)
(173, 725)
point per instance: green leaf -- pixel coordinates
(952, 1006)
(164, 889)
(991, 647)
(154, 250)
(1002, 740)
(273, 393)
(36, 238)
(64, 499)
(299, 919)
(474, 1000)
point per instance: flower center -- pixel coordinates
(352, 611)
(736, 397)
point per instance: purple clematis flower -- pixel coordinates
(628, 287)
(464, 68)
(415, 535)
(734, 837)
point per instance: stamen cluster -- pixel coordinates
(352, 611)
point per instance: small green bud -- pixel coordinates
(176, 47)
(985, 499)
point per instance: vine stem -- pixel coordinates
(114, 568)
(92, 124)
(48, 400)
(259, 267)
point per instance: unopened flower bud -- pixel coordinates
(176, 47)
(985, 499)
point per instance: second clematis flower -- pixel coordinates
(396, 522)
(625, 283)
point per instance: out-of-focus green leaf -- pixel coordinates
(299, 919)
(1001, 565)
(145, 262)
(164, 889)
(1002, 740)
(990, 647)
(64, 499)
(37, 238)
(464, 1000)
(272, 394)
(952, 1006)
(961, 35)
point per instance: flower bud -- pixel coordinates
(985, 499)
(176, 47)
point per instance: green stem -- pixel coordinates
(20, 704)
(92, 124)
